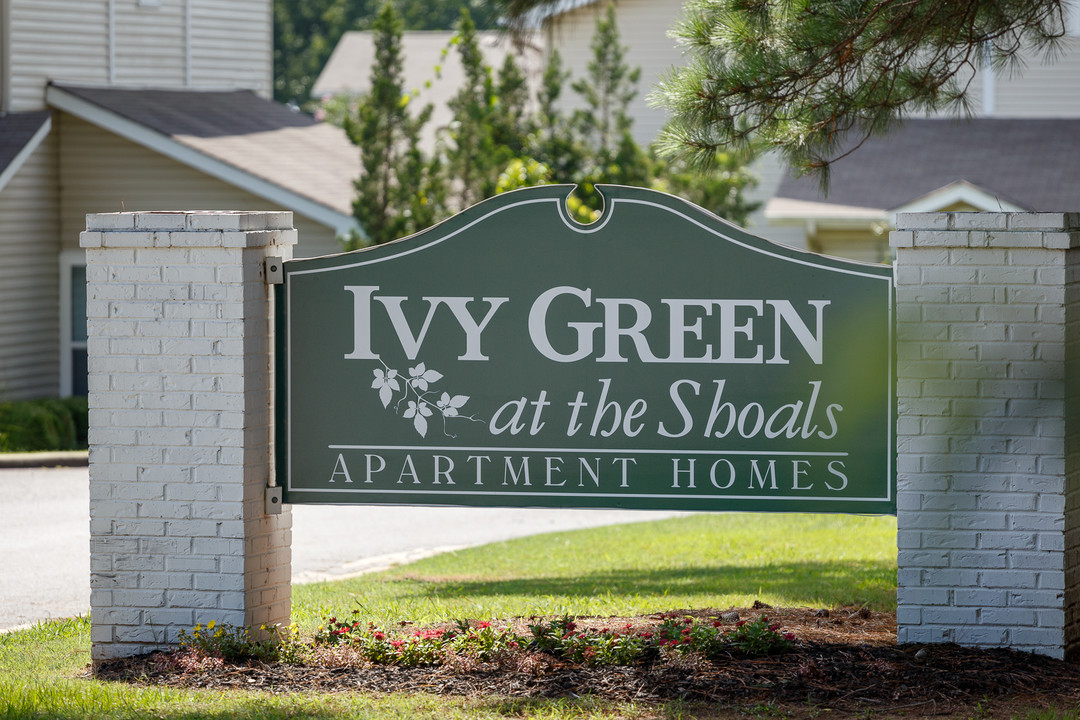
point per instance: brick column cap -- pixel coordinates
(166, 220)
(990, 221)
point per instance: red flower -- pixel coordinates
(689, 621)
(716, 623)
(686, 631)
(789, 636)
(774, 627)
(483, 625)
(379, 636)
(740, 623)
(646, 635)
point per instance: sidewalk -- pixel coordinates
(68, 458)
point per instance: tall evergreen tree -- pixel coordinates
(607, 89)
(553, 141)
(471, 151)
(394, 175)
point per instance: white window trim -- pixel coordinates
(68, 260)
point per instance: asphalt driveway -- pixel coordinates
(45, 538)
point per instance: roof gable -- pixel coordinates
(1027, 164)
(20, 134)
(235, 136)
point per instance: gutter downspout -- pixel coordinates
(112, 41)
(5, 56)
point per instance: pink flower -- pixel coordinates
(483, 625)
(379, 636)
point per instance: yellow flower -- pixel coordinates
(210, 625)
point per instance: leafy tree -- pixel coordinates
(719, 190)
(816, 79)
(305, 33)
(394, 193)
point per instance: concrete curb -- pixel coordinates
(72, 458)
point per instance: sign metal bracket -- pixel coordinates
(275, 273)
(273, 500)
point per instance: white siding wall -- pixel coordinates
(229, 45)
(232, 44)
(29, 278)
(1042, 88)
(150, 43)
(54, 40)
(102, 172)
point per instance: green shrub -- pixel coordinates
(43, 424)
(80, 413)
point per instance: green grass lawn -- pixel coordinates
(692, 562)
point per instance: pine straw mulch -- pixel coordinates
(846, 660)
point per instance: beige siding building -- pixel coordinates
(109, 105)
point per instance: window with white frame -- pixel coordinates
(73, 358)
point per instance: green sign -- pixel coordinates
(659, 358)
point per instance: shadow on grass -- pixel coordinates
(802, 583)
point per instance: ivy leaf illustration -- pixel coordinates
(420, 423)
(420, 376)
(419, 414)
(386, 383)
(449, 405)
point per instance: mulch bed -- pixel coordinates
(845, 660)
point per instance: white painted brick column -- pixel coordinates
(988, 452)
(179, 389)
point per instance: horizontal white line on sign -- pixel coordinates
(625, 496)
(587, 451)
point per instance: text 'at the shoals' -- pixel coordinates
(660, 358)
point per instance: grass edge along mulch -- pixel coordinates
(845, 661)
